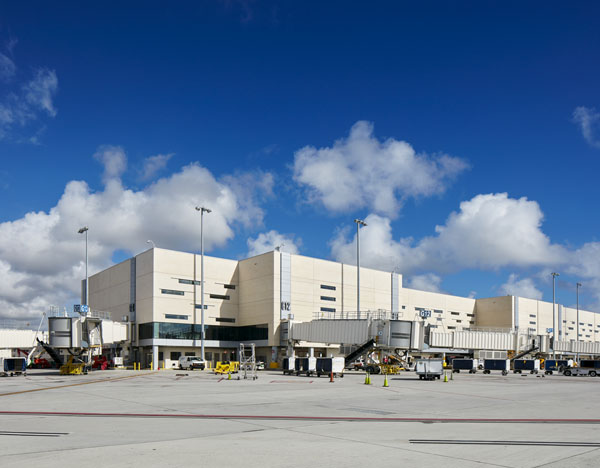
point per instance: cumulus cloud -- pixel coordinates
(426, 282)
(520, 287)
(588, 120)
(114, 160)
(42, 255)
(153, 165)
(363, 172)
(267, 241)
(488, 232)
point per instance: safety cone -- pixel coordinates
(445, 377)
(229, 378)
(367, 379)
(385, 382)
(331, 377)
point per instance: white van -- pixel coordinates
(191, 363)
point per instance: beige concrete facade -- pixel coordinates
(158, 292)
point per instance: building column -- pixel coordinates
(154, 357)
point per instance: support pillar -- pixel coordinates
(154, 357)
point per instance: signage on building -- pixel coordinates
(549, 330)
(286, 306)
(425, 313)
(81, 308)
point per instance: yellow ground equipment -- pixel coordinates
(227, 367)
(71, 368)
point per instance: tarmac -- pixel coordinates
(168, 418)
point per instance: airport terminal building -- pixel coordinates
(158, 293)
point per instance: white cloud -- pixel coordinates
(362, 172)
(588, 120)
(42, 255)
(7, 68)
(114, 160)
(426, 282)
(27, 103)
(267, 241)
(520, 287)
(153, 165)
(488, 232)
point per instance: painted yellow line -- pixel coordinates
(76, 384)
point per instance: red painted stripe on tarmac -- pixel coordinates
(305, 418)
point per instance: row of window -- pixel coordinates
(175, 292)
(187, 331)
(198, 283)
(186, 317)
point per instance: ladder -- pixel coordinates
(248, 361)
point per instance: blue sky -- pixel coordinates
(288, 118)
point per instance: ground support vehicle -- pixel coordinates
(227, 367)
(528, 365)
(429, 369)
(502, 365)
(191, 363)
(556, 365)
(465, 364)
(305, 365)
(587, 367)
(580, 371)
(329, 365)
(13, 366)
(289, 365)
(73, 368)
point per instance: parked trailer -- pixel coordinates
(429, 369)
(558, 365)
(490, 365)
(528, 365)
(465, 364)
(587, 367)
(13, 366)
(289, 365)
(306, 365)
(327, 365)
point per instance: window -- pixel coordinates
(175, 355)
(531, 323)
(190, 353)
(160, 356)
(458, 321)
(433, 326)
(470, 315)
(438, 311)
(199, 306)
(439, 318)
(218, 296)
(229, 286)
(132, 307)
(581, 323)
(587, 336)
(404, 307)
(225, 319)
(454, 313)
(327, 309)
(472, 322)
(172, 291)
(326, 286)
(532, 315)
(187, 281)
(570, 328)
(451, 328)
(176, 317)
(590, 325)
(328, 298)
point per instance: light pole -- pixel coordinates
(554, 275)
(577, 289)
(85, 229)
(202, 210)
(151, 243)
(359, 223)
